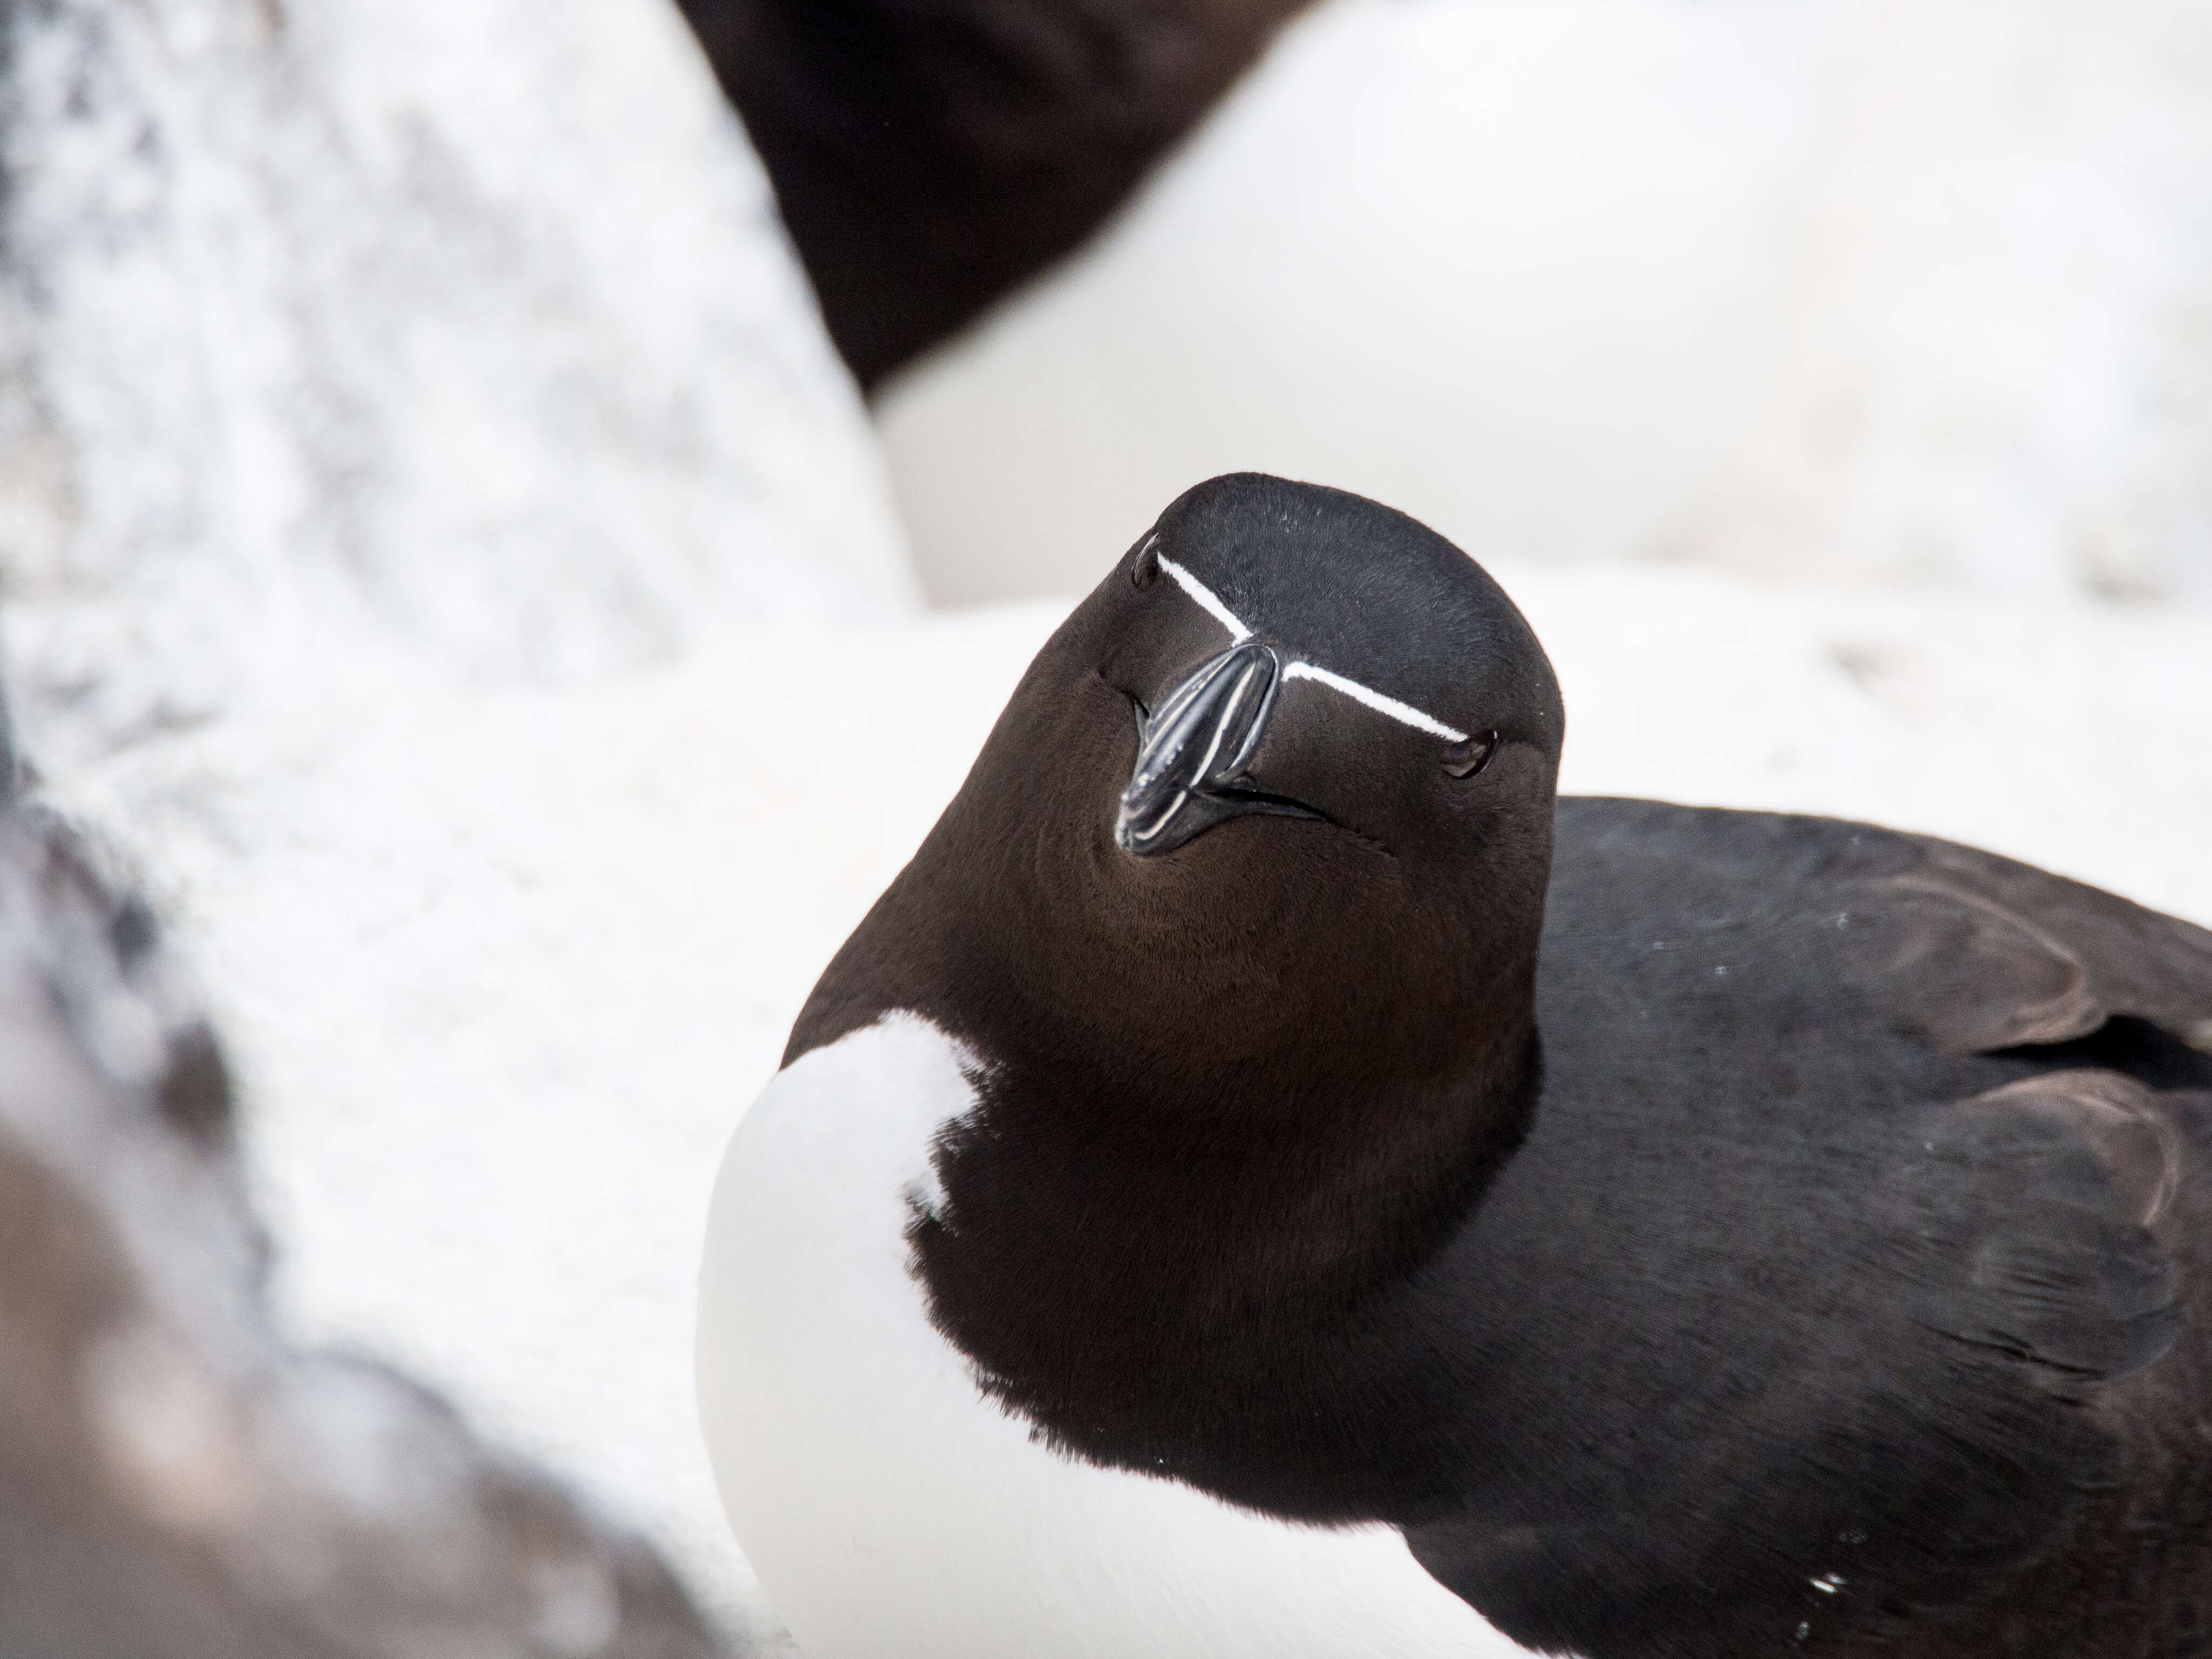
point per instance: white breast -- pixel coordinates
(894, 1513)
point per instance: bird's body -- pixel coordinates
(1442, 1224)
(1896, 1338)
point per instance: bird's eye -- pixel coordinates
(1147, 567)
(1470, 755)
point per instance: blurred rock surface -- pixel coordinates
(175, 1482)
(460, 327)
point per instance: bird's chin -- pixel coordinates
(1152, 828)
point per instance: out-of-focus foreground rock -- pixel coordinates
(175, 1483)
(354, 354)
(466, 329)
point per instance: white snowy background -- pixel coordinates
(444, 559)
(1901, 291)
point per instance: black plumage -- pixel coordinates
(1701, 1232)
(1880, 1350)
(929, 156)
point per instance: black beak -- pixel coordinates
(1191, 753)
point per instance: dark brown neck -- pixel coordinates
(1170, 1300)
(1145, 1252)
(1230, 1096)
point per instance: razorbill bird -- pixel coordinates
(1269, 1179)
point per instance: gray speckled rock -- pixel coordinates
(174, 1481)
(460, 327)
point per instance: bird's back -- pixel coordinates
(1847, 1292)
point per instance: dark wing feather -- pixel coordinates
(1875, 1397)
(1933, 1438)
(1985, 953)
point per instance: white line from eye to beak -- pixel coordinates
(1404, 713)
(1208, 600)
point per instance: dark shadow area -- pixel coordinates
(2135, 1047)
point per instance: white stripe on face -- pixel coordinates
(1404, 713)
(1208, 600)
